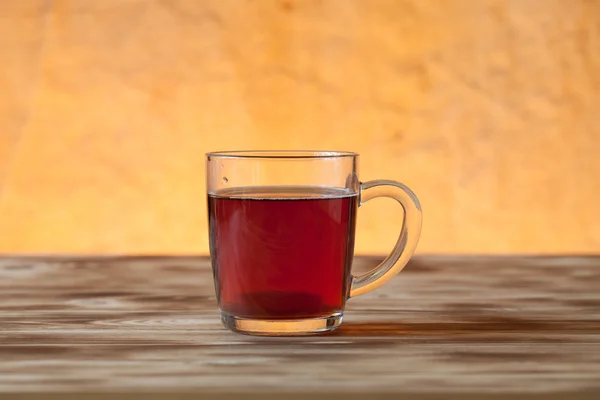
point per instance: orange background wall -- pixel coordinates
(487, 109)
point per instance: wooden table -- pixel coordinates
(453, 326)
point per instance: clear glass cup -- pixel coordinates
(282, 227)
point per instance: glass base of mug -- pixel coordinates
(282, 327)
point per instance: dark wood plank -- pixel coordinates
(452, 325)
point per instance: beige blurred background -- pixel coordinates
(488, 109)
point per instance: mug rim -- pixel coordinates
(281, 154)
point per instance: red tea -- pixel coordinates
(282, 252)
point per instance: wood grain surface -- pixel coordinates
(446, 325)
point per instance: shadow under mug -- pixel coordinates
(282, 227)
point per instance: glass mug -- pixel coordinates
(282, 229)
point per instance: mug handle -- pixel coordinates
(407, 241)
